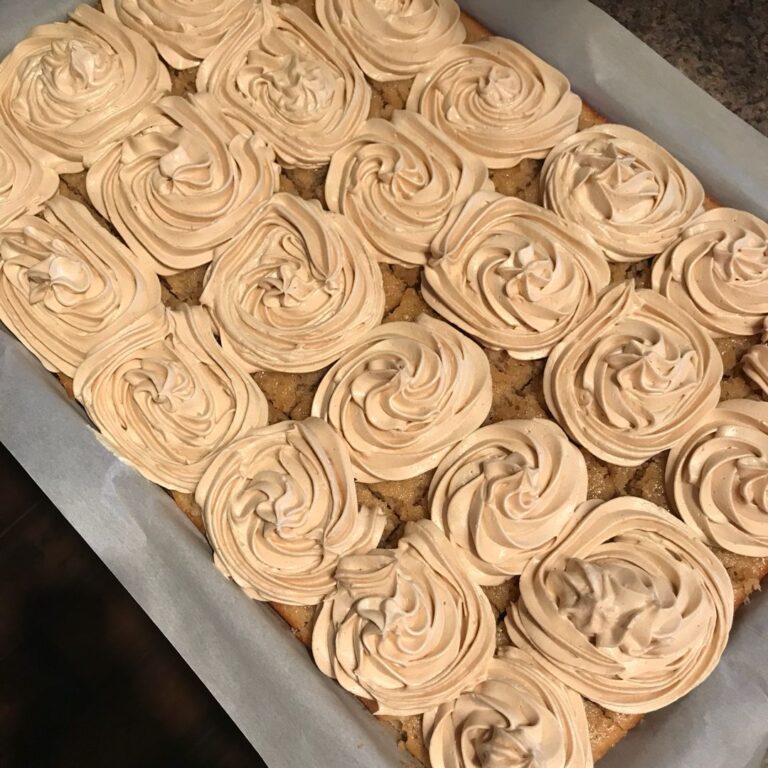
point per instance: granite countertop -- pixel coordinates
(722, 45)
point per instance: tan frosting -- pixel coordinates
(406, 627)
(25, 184)
(296, 290)
(626, 190)
(280, 509)
(400, 181)
(166, 397)
(285, 77)
(404, 395)
(754, 363)
(718, 271)
(519, 717)
(513, 275)
(717, 477)
(393, 39)
(629, 609)
(66, 284)
(71, 88)
(504, 494)
(183, 31)
(498, 100)
(633, 378)
(183, 183)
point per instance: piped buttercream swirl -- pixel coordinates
(404, 395)
(629, 609)
(280, 510)
(754, 364)
(513, 275)
(166, 397)
(406, 627)
(296, 290)
(633, 378)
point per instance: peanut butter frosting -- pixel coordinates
(403, 396)
(282, 75)
(717, 477)
(754, 364)
(166, 397)
(627, 191)
(629, 609)
(518, 717)
(634, 377)
(66, 284)
(25, 184)
(718, 271)
(498, 100)
(504, 494)
(183, 183)
(74, 87)
(184, 32)
(406, 627)
(280, 510)
(393, 39)
(513, 275)
(399, 181)
(296, 290)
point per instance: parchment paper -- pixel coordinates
(243, 653)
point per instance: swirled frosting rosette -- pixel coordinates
(518, 717)
(403, 396)
(184, 32)
(280, 510)
(165, 397)
(754, 364)
(406, 627)
(183, 183)
(393, 39)
(282, 75)
(66, 284)
(400, 181)
(504, 494)
(717, 477)
(72, 88)
(627, 191)
(633, 378)
(296, 290)
(629, 609)
(498, 100)
(25, 184)
(718, 271)
(513, 275)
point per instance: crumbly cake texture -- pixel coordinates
(517, 394)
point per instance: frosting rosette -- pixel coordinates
(717, 477)
(627, 191)
(513, 275)
(184, 182)
(633, 378)
(629, 609)
(282, 75)
(166, 397)
(393, 39)
(25, 184)
(66, 284)
(498, 100)
(403, 396)
(400, 181)
(754, 363)
(184, 32)
(718, 271)
(74, 87)
(505, 493)
(518, 717)
(280, 510)
(296, 290)
(406, 627)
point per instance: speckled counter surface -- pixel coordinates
(722, 45)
